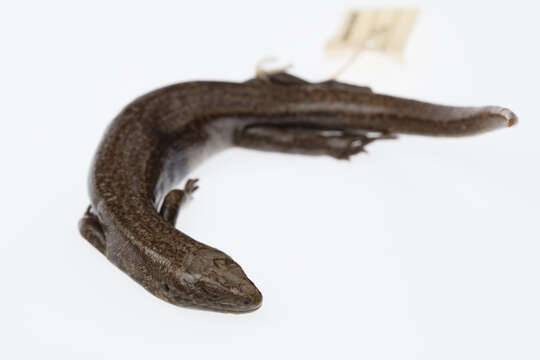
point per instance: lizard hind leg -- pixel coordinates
(281, 77)
(340, 144)
(337, 85)
(278, 77)
(355, 143)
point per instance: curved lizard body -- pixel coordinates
(160, 137)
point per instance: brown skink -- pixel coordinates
(160, 137)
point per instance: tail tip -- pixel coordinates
(509, 116)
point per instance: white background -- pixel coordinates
(425, 248)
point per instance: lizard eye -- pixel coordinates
(223, 263)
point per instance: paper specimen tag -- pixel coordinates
(381, 30)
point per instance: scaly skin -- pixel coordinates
(160, 137)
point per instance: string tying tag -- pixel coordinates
(380, 30)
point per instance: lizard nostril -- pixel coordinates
(166, 287)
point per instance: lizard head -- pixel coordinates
(210, 280)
